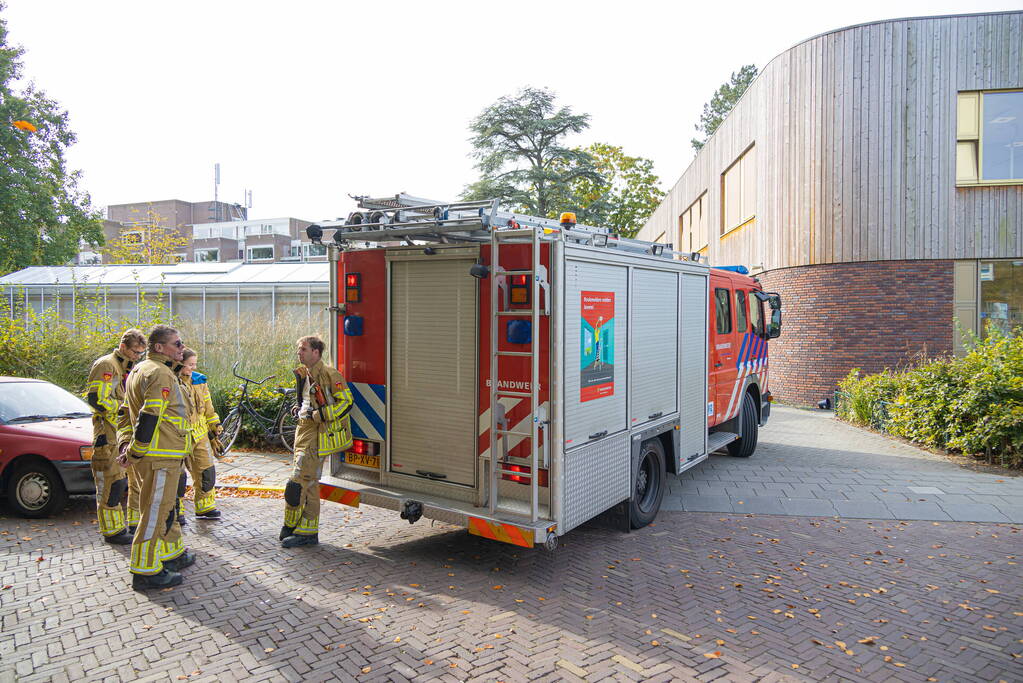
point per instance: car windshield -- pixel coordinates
(36, 401)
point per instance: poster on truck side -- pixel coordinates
(597, 352)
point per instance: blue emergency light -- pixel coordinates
(519, 332)
(353, 325)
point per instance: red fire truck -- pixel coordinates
(519, 375)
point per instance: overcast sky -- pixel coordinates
(307, 102)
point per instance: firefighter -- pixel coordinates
(205, 430)
(104, 392)
(154, 437)
(324, 402)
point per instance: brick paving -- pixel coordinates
(380, 600)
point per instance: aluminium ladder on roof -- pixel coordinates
(538, 281)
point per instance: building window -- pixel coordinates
(314, 250)
(1001, 295)
(261, 253)
(722, 311)
(739, 192)
(205, 255)
(989, 137)
(692, 226)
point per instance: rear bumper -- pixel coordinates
(506, 527)
(77, 476)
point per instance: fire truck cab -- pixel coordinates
(518, 376)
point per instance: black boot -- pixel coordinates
(122, 537)
(209, 514)
(285, 532)
(185, 559)
(165, 579)
(302, 539)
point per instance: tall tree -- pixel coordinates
(44, 215)
(622, 200)
(725, 97)
(518, 144)
(146, 240)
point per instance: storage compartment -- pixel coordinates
(432, 382)
(654, 384)
(596, 368)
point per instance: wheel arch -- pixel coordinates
(5, 475)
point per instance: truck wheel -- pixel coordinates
(648, 485)
(747, 444)
(34, 489)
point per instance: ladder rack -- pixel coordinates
(414, 221)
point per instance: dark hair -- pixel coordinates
(314, 342)
(133, 337)
(187, 353)
(159, 335)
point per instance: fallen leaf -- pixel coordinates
(497, 587)
(427, 662)
(268, 649)
(866, 641)
(366, 669)
(712, 655)
(654, 642)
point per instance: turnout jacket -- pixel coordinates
(331, 418)
(105, 392)
(156, 418)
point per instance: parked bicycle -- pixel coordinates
(281, 427)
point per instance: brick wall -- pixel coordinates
(871, 316)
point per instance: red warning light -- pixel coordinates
(352, 280)
(519, 279)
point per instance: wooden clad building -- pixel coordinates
(873, 176)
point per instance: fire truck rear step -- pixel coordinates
(447, 510)
(716, 440)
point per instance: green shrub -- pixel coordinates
(972, 404)
(865, 399)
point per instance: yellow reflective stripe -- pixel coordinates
(140, 562)
(166, 453)
(292, 516)
(308, 526)
(169, 551)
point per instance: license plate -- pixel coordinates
(363, 460)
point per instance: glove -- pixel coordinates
(215, 445)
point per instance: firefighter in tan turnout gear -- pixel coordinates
(324, 402)
(155, 436)
(205, 430)
(105, 391)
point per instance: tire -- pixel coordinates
(287, 425)
(35, 489)
(232, 424)
(648, 484)
(746, 445)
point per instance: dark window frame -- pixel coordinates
(741, 312)
(727, 300)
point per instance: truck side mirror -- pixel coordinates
(774, 327)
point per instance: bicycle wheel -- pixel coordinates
(286, 425)
(232, 425)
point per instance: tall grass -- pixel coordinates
(60, 350)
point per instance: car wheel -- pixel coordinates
(34, 489)
(747, 444)
(648, 484)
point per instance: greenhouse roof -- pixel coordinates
(194, 274)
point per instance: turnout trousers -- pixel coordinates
(134, 509)
(158, 536)
(302, 492)
(111, 486)
(200, 466)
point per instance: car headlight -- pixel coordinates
(86, 452)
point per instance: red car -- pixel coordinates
(45, 446)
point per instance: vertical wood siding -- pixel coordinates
(856, 137)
